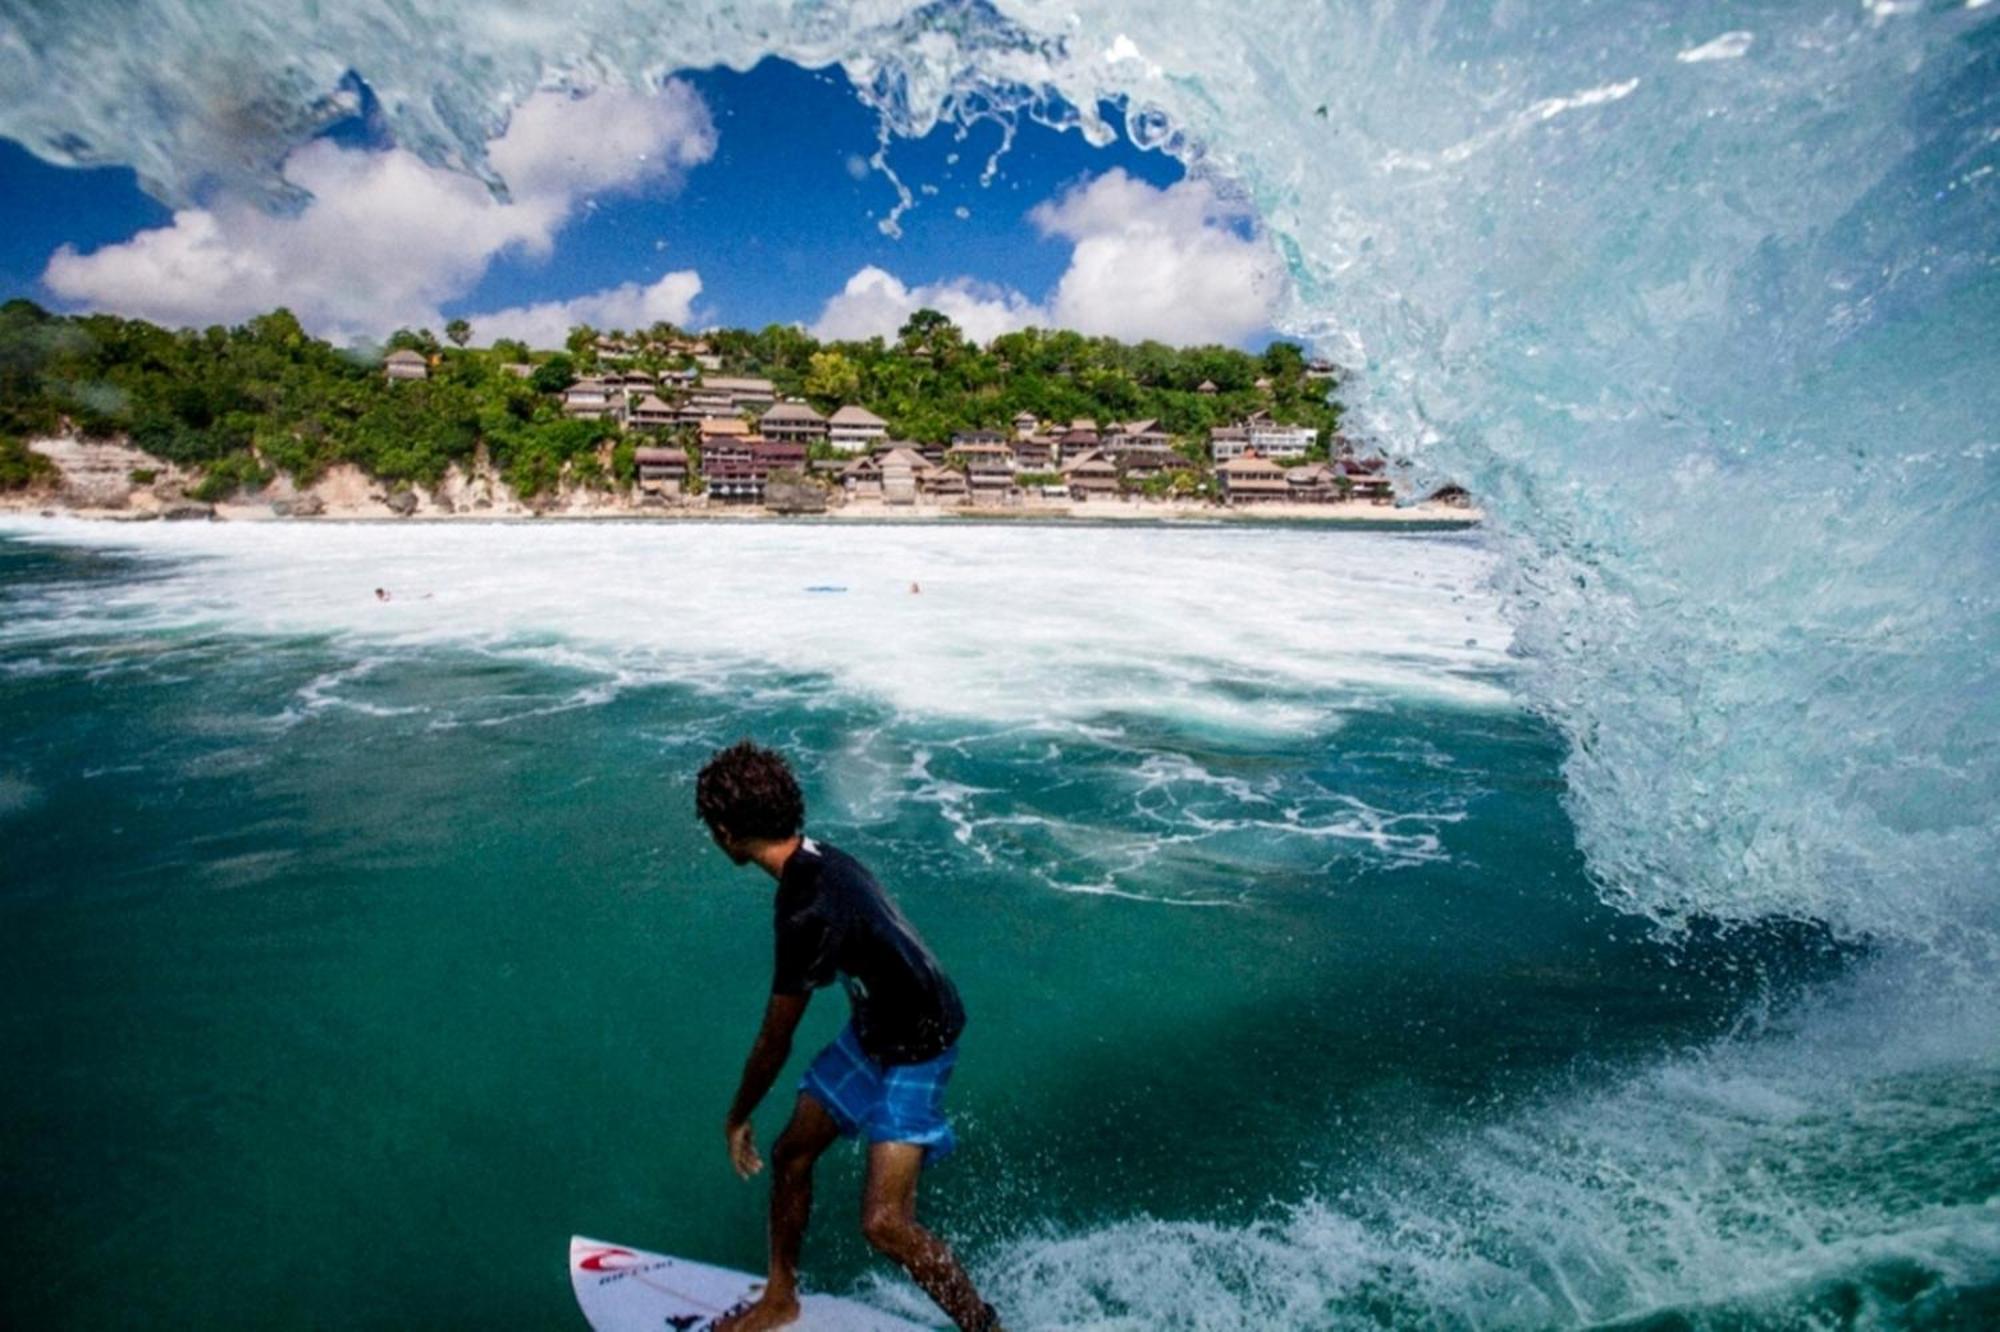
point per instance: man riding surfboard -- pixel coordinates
(883, 1078)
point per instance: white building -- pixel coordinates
(1281, 441)
(699, 404)
(794, 421)
(593, 400)
(747, 394)
(1226, 442)
(651, 412)
(854, 429)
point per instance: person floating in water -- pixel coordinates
(381, 594)
(883, 1078)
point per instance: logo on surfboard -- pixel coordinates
(608, 1260)
(614, 1264)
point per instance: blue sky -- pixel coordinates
(43, 206)
(750, 189)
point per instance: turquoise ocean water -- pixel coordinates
(353, 956)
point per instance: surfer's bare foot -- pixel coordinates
(770, 1310)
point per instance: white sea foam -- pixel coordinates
(1257, 630)
(325, 691)
(1165, 771)
(1827, 1160)
(1055, 637)
(1729, 46)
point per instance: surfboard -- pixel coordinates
(622, 1289)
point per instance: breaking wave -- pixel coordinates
(1703, 301)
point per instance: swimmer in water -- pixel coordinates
(381, 594)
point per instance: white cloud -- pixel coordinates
(629, 306)
(565, 146)
(384, 238)
(1171, 264)
(1150, 263)
(876, 301)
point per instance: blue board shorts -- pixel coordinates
(887, 1102)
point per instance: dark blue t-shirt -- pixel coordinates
(834, 921)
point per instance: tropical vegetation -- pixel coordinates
(239, 405)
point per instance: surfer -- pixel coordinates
(883, 1078)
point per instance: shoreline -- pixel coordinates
(1353, 517)
(102, 482)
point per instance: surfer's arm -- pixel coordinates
(773, 1046)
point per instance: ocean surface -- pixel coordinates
(354, 954)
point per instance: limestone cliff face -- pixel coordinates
(111, 475)
(114, 478)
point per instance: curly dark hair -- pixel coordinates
(751, 792)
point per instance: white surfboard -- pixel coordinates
(623, 1289)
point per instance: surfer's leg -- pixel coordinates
(889, 1220)
(797, 1150)
(810, 1132)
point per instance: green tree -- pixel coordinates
(784, 351)
(625, 462)
(21, 467)
(230, 475)
(1284, 362)
(459, 331)
(736, 346)
(553, 375)
(280, 329)
(832, 378)
(928, 327)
